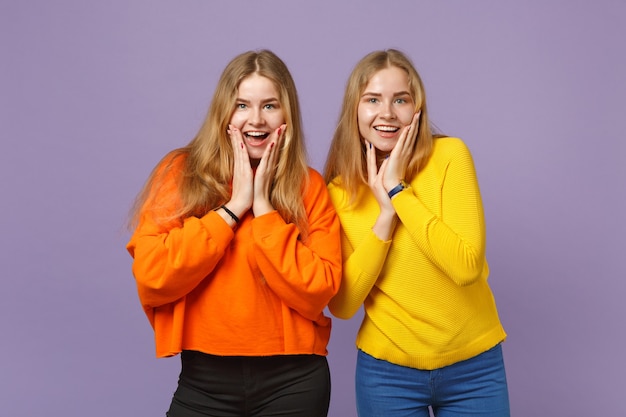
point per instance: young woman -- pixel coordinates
(237, 253)
(413, 242)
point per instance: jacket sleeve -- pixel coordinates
(170, 260)
(455, 240)
(304, 274)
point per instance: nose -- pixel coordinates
(388, 111)
(256, 117)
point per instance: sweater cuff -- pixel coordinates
(220, 231)
(410, 209)
(376, 253)
(265, 225)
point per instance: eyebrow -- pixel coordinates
(399, 93)
(267, 100)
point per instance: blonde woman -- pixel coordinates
(236, 253)
(413, 242)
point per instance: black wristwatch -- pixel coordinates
(395, 190)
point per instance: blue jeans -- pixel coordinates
(474, 387)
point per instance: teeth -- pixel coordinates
(256, 133)
(386, 128)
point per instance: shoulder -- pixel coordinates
(447, 148)
(167, 174)
(336, 190)
(315, 194)
(314, 183)
(173, 162)
(448, 144)
(315, 176)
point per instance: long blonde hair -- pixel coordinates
(207, 161)
(346, 163)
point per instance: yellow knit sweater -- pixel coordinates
(425, 292)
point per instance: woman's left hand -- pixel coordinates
(401, 154)
(264, 176)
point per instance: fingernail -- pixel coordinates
(370, 146)
(271, 145)
(241, 145)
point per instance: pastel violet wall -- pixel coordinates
(92, 94)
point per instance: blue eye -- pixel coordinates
(240, 106)
(269, 107)
(372, 100)
(400, 101)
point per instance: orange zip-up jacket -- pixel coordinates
(257, 290)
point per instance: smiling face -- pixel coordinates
(385, 107)
(257, 113)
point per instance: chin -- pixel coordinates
(384, 145)
(255, 153)
(385, 149)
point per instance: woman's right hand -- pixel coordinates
(386, 220)
(375, 178)
(243, 177)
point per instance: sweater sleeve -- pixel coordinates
(455, 240)
(170, 260)
(361, 268)
(304, 274)
(363, 259)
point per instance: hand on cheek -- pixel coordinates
(401, 154)
(265, 172)
(242, 182)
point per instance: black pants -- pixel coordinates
(236, 386)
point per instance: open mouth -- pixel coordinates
(256, 136)
(389, 129)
